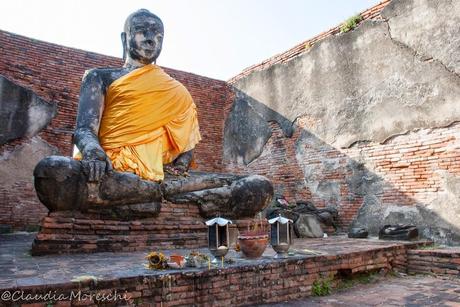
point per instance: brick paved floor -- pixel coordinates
(18, 268)
(418, 290)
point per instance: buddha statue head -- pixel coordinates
(142, 37)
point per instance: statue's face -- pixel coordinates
(144, 38)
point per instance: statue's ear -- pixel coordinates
(123, 42)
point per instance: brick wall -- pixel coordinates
(411, 168)
(412, 164)
(19, 206)
(54, 73)
(434, 261)
(176, 226)
(278, 163)
(416, 170)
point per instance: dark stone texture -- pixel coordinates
(244, 197)
(398, 232)
(247, 130)
(328, 216)
(245, 133)
(358, 233)
(360, 180)
(175, 185)
(250, 195)
(22, 113)
(308, 226)
(363, 182)
(305, 215)
(62, 185)
(127, 212)
(127, 188)
(370, 215)
(268, 114)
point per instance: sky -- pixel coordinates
(213, 38)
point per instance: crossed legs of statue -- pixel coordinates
(62, 185)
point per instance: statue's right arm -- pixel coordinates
(90, 107)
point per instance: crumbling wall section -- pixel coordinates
(375, 115)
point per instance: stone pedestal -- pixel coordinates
(177, 226)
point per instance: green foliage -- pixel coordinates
(321, 287)
(357, 279)
(350, 23)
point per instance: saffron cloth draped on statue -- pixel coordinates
(148, 120)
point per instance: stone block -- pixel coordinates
(308, 226)
(22, 112)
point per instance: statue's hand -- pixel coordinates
(96, 164)
(176, 170)
(95, 169)
(181, 170)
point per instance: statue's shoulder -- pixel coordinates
(104, 76)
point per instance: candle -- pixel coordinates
(209, 264)
(222, 261)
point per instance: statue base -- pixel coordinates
(176, 226)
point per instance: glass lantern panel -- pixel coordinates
(273, 234)
(223, 240)
(212, 236)
(284, 234)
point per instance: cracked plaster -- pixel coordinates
(381, 80)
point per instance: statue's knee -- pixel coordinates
(59, 182)
(57, 168)
(251, 195)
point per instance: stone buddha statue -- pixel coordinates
(136, 132)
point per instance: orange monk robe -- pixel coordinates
(148, 120)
